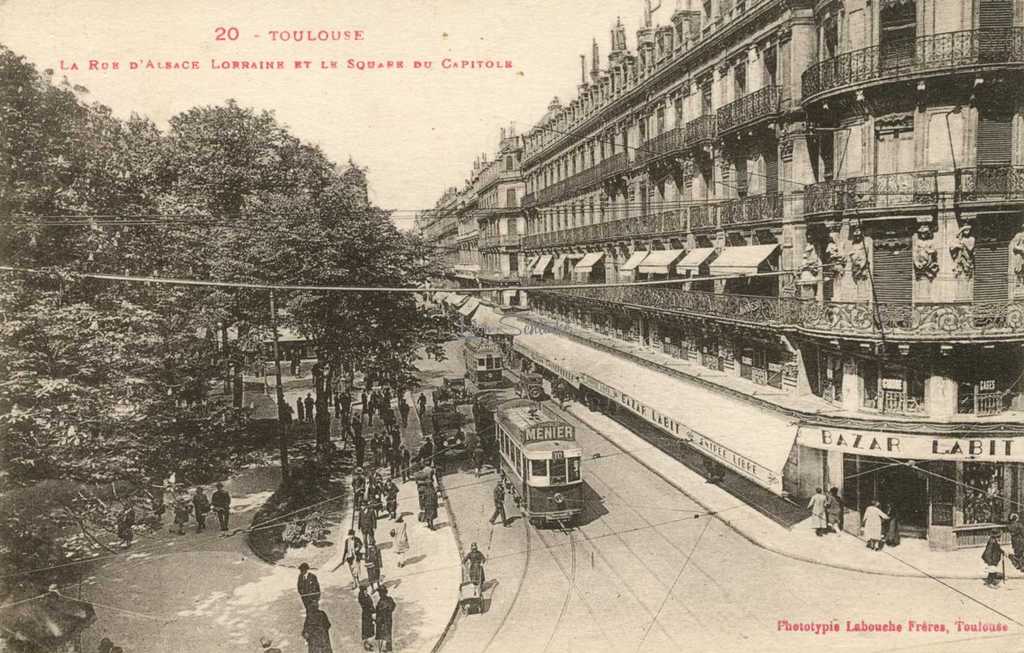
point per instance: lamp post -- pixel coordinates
(279, 396)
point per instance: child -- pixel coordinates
(992, 556)
(400, 534)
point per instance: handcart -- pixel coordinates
(470, 596)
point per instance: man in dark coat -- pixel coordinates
(202, 507)
(385, 621)
(125, 524)
(316, 631)
(364, 401)
(368, 524)
(309, 588)
(366, 608)
(357, 440)
(1016, 530)
(358, 487)
(310, 403)
(222, 505)
(405, 461)
(403, 411)
(300, 409)
(499, 504)
(421, 404)
(285, 412)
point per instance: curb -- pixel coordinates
(458, 545)
(770, 547)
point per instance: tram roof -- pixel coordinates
(533, 418)
(481, 345)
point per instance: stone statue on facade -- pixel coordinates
(858, 256)
(926, 257)
(1017, 251)
(962, 251)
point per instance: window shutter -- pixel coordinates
(995, 134)
(892, 270)
(991, 271)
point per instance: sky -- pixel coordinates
(417, 131)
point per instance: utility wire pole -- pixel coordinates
(282, 431)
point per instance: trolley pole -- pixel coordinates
(282, 431)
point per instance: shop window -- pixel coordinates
(983, 490)
(942, 491)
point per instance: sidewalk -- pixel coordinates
(911, 558)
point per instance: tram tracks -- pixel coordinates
(516, 594)
(569, 590)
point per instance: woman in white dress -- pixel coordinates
(873, 517)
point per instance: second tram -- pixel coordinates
(541, 458)
(484, 363)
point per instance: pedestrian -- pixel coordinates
(267, 645)
(352, 555)
(403, 411)
(992, 556)
(366, 608)
(202, 508)
(421, 404)
(406, 461)
(221, 501)
(892, 529)
(835, 510)
(285, 412)
(400, 535)
(300, 410)
(317, 631)
(368, 524)
(872, 523)
(309, 588)
(499, 503)
(430, 507)
(391, 491)
(817, 506)
(475, 562)
(309, 407)
(373, 564)
(364, 401)
(1016, 530)
(478, 458)
(337, 406)
(394, 460)
(181, 512)
(384, 610)
(360, 445)
(358, 487)
(125, 524)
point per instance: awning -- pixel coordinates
(574, 257)
(439, 296)
(742, 260)
(455, 299)
(542, 265)
(715, 424)
(493, 322)
(694, 259)
(588, 262)
(660, 261)
(530, 262)
(467, 308)
(633, 261)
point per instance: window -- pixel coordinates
(574, 468)
(660, 120)
(558, 472)
(677, 110)
(983, 490)
(538, 468)
(509, 164)
(705, 98)
(739, 78)
(510, 198)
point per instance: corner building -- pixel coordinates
(838, 188)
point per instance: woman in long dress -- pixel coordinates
(1016, 529)
(817, 506)
(401, 540)
(873, 517)
(367, 630)
(892, 529)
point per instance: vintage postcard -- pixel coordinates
(533, 327)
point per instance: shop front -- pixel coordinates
(952, 489)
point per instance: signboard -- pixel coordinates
(892, 384)
(987, 386)
(913, 447)
(550, 431)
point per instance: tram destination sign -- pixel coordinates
(549, 431)
(912, 446)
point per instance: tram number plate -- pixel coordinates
(557, 455)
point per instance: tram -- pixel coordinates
(484, 363)
(540, 457)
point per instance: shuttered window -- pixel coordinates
(893, 273)
(991, 271)
(995, 139)
(996, 18)
(771, 170)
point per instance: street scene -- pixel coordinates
(422, 327)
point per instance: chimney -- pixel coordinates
(618, 43)
(595, 59)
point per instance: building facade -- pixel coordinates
(834, 191)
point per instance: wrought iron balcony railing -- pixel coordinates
(990, 184)
(871, 320)
(616, 164)
(750, 108)
(503, 240)
(924, 54)
(700, 130)
(703, 216)
(898, 189)
(752, 208)
(664, 144)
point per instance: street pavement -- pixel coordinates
(208, 593)
(651, 569)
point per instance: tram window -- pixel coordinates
(538, 468)
(574, 469)
(558, 471)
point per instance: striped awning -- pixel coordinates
(694, 259)
(660, 261)
(742, 260)
(634, 260)
(542, 265)
(588, 262)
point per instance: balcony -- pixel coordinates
(752, 208)
(614, 165)
(990, 185)
(937, 53)
(701, 130)
(703, 216)
(529, 200)
(894, 191)
(503, 240)
(749, 109)
(894, 322)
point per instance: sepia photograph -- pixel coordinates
(438, 326)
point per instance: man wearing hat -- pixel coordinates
(309, 588)
(384, 621)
